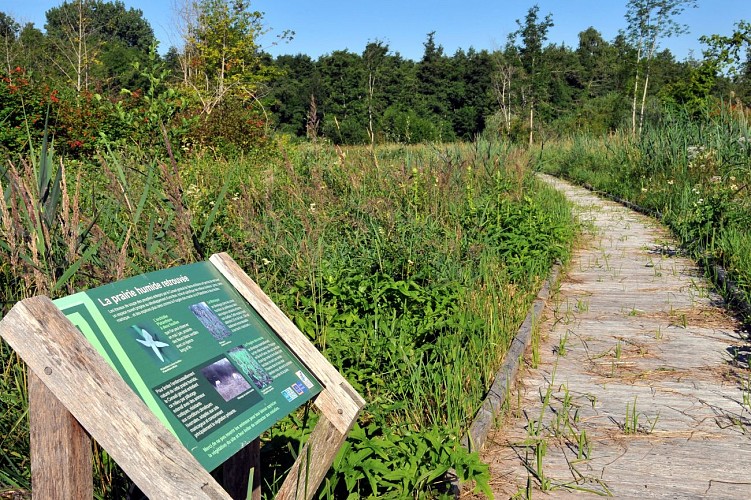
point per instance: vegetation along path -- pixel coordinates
(642, 387)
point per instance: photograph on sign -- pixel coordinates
(201, 358)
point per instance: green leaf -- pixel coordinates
(63, 280)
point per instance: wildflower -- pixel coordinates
(733, 187)
(643, 190)
(265, 261)
(694, 151)
(700, 201)
(670, 182)
(732, 178)
(312, 208)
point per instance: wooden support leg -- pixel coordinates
(60, 447)
(235, 472)
(314, 461)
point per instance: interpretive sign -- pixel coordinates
(201, 358)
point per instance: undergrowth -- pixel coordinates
(410, 269)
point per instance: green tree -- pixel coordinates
(598, 63)
(31, 52)
(694, 91)
(434, 86)
(222, 57)
(343, 102)
(96, 41)
(733, 55)
(649, 21)
(299, 81)
(531, 37)
(9, 31)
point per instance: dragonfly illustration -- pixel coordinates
(149, 341)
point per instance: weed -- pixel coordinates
(561, 350)
(631, 423)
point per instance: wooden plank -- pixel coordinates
(635, 368)
(340, 402)
(314, 461)
(104, 404)
(60, 448)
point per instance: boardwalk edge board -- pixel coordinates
(504, 379)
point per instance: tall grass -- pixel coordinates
(410, 271)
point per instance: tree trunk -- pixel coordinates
(531, 121)
(636, 93)
(643, 101)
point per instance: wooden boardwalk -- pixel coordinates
(643, 388)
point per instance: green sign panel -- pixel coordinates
(197, 353)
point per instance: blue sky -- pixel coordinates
(326, 25)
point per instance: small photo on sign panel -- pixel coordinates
(210, 320)
(225, 379)
(250, 366)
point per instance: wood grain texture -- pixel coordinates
(60, 448)
(103, 403)
(340, 402)
(633, 332)
(313, 462)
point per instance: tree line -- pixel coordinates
(95, 66)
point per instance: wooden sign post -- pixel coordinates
(75, 395)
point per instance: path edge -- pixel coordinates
(484, 420)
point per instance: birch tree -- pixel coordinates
(69, 30)
(649, 21)
(221, 55)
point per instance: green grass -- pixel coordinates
(411, 274)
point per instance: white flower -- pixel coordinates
(670, 182)
(643, 190)
(265, 261)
